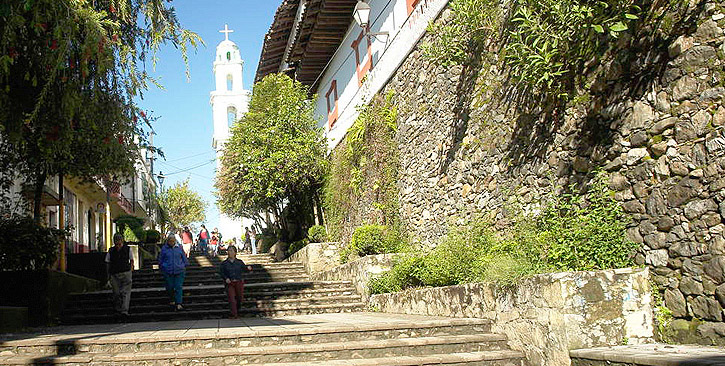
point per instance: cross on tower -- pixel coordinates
(226, 32)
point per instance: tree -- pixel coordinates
(182, 205)
(275, 158)
(69, 73)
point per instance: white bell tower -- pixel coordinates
(228, 102)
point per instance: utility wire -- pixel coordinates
(190, 156)
(191, 168)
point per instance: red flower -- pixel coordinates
(112, 9)
(115, 38)
(43, 26)
(13, 52)
(143, 114)
(54, 45)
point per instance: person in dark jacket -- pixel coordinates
(173, 262)
(232, 272)
(119, 264)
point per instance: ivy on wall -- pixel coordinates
(547, 46)
(361, 187)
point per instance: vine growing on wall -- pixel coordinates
(547, 46)
(361, 187)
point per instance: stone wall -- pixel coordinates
(317, 257)
(547, 315)
(470, 145)
(358, 271)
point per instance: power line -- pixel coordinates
(182, 170)
(190, 156)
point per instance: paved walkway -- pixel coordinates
(216, 328)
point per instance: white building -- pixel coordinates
(228, 102)
(321, 45)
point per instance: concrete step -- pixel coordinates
(271, 267)
(214, 279)
(491, 347)
(649, 355)
(217, 313)
(162, 298)
(220, 302)
(267, 287)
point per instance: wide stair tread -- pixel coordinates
(476, 347)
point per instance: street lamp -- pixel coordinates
(161, 178)
(362, 18)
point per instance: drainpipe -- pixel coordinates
(61, 222)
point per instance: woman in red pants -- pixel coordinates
(232, 270)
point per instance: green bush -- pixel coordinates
(296, 246)
(371, 239)
(268, 237)
(153, 236)
(317, 234)
(573, 232)
(135, 235)
(26, 245)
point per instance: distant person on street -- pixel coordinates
(213, 244)
(119, 264)
(247, 238)
(203, 239)
(253, 239)
(173, 262)
(187, 239)
(232, 271)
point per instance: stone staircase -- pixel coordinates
(272, 289)
(362, 339)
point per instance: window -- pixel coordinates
(229, 56)
(231, 115)
(411, 5)
(331, 97)
(230, 82)
(363, 56)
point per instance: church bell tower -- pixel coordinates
(228, 102)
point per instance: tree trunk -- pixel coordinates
(40, 177)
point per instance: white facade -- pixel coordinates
(228, 102)
(363, 64)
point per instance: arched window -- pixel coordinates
(231, 115)
(229, 56)
(230, 82)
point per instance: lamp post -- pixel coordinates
(161, 178)
(362, 18)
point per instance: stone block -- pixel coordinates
(705, 307)
(675, 301)
(715, 268)
(657, 258)
(690, 286)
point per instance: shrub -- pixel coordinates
(296, 246)
(404, 274)
(153, 236)
(573, 232)
(26, 245)
(317, 234)
(268, 237)
(135, 235)
(371, 239)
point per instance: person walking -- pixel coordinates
(119, 265)
(214, 244)
(173, 262)
(232, 271)
(253, 239)
(203, 239)
(187, 239)
(247, 239)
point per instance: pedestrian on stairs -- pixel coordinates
(231, 270)
(119, 264)
(173, 262)
(203, 239)
(187, 238)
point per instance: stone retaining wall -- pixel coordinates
(358, 271)
(547, 315)
(317, 257)
(471, 145)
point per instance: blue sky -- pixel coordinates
(184, 128)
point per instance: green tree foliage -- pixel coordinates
(182, 205)
(317, 234)
(361, 187)
(276, 154)
(131, 227)
(69, 73)
(573, 232)
(27, 245)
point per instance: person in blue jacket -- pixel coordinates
(173, 262)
